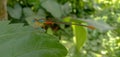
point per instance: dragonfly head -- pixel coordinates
(39, 20)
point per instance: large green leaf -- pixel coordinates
(15, 12)
(80, 35)
(19, 41)
(53, 7)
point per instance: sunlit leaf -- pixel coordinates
(53, 7)
(70, 19)
(49, 31)
(15, 12)
(19, 41)
(80, 35)
(67, 19)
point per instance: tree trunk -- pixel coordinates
(3, 10)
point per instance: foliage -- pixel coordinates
(19, 41)
(84, 13)
(80, 38)
(15, 12)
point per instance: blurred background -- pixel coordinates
(98, 44)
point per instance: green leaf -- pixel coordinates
(28, 12)
(49, 31)
(71, 19)
(53, 7)
(66, 8)
(80, 35)
(35, 3)
(67, 19)
(19, 41)
(41, 13)
(15, 12)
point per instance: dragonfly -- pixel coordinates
(43, 22)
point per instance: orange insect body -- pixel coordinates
(49, 22)
(91, 27)
(44, 22)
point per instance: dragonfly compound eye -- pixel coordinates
(41, 20)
